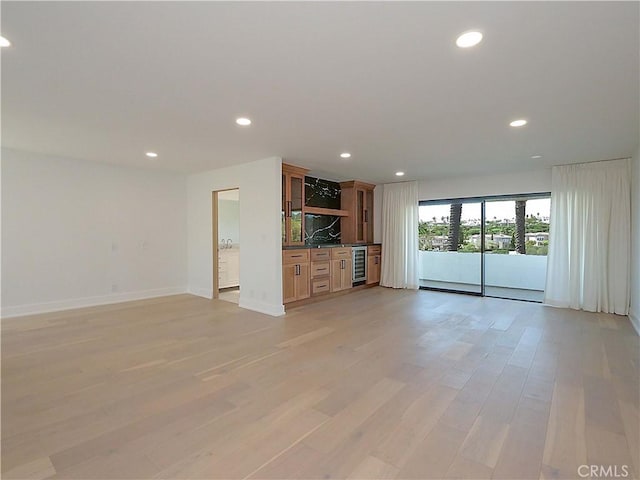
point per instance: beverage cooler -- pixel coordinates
(359, 256)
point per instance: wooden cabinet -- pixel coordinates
(314, 272)
(295, 275)
(292, 214)
(320, 270)
(341, 269)
(357, 199)
(228, 268)
(374, 262)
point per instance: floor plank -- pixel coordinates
(377, 384)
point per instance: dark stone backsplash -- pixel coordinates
(321, 193)
(321, 229)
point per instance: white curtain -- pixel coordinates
(400, 235)
(590, 237)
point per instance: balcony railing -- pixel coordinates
(514, 276)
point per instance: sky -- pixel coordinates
(498, 209)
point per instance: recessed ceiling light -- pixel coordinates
(151, 154)
(243, 122)
(4, 42)
(345, 155)
(399, 174)
(536, 156)
(518, 123)
(469, 39)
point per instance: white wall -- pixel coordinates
(229, 220)
(78, 233)
(260, 254)
(499, 184)
(635, 242)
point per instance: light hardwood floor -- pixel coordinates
(376, 384)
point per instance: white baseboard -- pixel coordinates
(255, 305)
(635, 321)
(59, 305)
(266, 308)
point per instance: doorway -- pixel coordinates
(492, 246)
(226, 245)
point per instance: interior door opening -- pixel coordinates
(226, 245)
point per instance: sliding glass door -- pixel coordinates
(449, 241)
(516, 245)
(492, 246)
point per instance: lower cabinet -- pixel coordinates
(374, 261)
(228, 268)
(320, 269)
(341, 269)
(295, 275)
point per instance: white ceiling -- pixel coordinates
(107, 81)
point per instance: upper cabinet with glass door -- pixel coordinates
(292, 205)
(357, 200)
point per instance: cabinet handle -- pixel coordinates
(321, 269)
(376, 257)
(320, 286)
(296, 256)
(366, 216)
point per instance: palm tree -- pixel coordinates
(520, 226)
(454, 227)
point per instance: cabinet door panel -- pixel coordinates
(303, 284)
(292, 205)
(284, 212)
(234, 269)
(336, 275)
(371, 265)
(295, 209)
(347, 274)
(288, 283)
(373, 269)
(360, 226)
(368, 217)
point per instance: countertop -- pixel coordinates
(329, 245)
